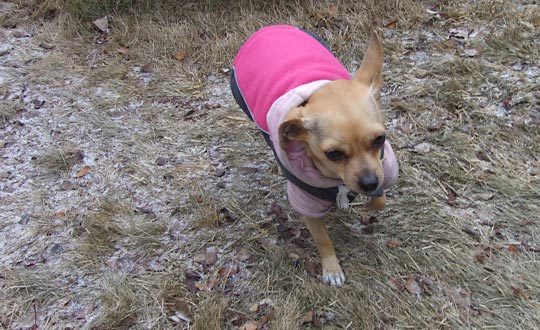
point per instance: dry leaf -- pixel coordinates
(123, 50)
(60, 214)
(266, 318)
(513, 248)
(250, 326)
(308, 317)
(38, 103)
(209, 258)
(102, 24)
(452, 196)
(397, 284)
(480, 258)
(413, 286)
(422, 148)
(180, 55)
(225, 216)
(203, 287)
(471, 231)
(206, 286)
(243, 255)
(18, 34)
(507, 103)
(82, 172)
(393, 243)
(391, 25)
(254, 307)
(518, 292)
(46, 46)
(225, 272)
(368, 220)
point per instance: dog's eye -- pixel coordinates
(335, 155)
(378, 142)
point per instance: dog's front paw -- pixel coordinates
(333, 278)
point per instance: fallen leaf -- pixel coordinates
(391, 25)
(82, 172)
(422, 148)
(265, 318)
(18, 34)
(507, 103)
(102, 24)
(38, 103)
(250, 326)
(480, 258)
(471, 231)
(254, 307)
(387, 319)
(308, 317)
(202, 286)
(512, 248)
(434, 126)
(209, 258)
(177, 304)
(160, 161)
(452, 197)
(278, 211)
(207, 286)
(413, 286)
(225, 216)
(123, 50)
(146, 68)
(520, 293)
(243, 255)
(393, 244)
(180, 55)
(368, 220)
(192, 275)
(46, 46)
(191, 278)
(397, 284)
(368, 230)
(266, 301)
(225, 272)
(60, 214)
(284, 232)
(310, 266)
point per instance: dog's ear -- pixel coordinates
(292, 129)
(370, 70)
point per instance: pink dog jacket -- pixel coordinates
(278, 68)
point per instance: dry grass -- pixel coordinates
(172, 226)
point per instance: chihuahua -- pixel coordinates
(325, 128)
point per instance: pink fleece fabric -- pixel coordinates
(278, 68)
(276, 59)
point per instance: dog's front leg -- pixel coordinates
(332, 273)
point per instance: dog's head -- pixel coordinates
(342, 127)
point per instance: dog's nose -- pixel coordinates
(368, 183)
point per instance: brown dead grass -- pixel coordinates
(128, 244)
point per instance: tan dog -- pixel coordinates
(340, 128)
(343, 131)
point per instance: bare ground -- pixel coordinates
(135, 194)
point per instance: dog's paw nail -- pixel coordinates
(334, 279)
